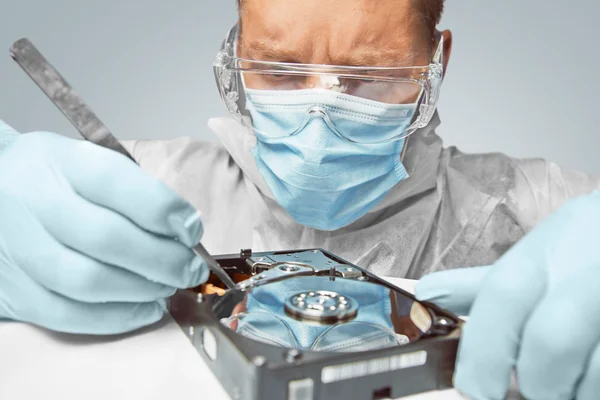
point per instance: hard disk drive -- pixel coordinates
(306, 324)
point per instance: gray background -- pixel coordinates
(522, 79)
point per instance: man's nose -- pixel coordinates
(329, 82)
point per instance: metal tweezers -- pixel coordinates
(83, 118)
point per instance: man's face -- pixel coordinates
(338, 32)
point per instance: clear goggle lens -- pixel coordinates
(401, 99)
(379, 89)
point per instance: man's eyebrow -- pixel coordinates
(378, 58)
(366, 57)
(260, 50)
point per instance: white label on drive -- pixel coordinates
(334, 373)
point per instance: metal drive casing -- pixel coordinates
(252, 369)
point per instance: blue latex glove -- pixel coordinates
(89, 243)
(537, 310)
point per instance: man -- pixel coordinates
(332, 145)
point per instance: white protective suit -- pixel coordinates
(455, 210)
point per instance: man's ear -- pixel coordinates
(447, 35)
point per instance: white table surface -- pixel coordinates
(158, 363)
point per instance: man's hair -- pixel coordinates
(429, 10)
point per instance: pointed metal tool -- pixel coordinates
(58, 90)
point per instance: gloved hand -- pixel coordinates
(537, 310)
(89, 243)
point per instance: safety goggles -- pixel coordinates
(399, 99)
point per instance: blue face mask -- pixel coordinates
(321, 179)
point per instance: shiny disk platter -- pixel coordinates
(306, 324)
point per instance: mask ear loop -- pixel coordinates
(404, 147)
